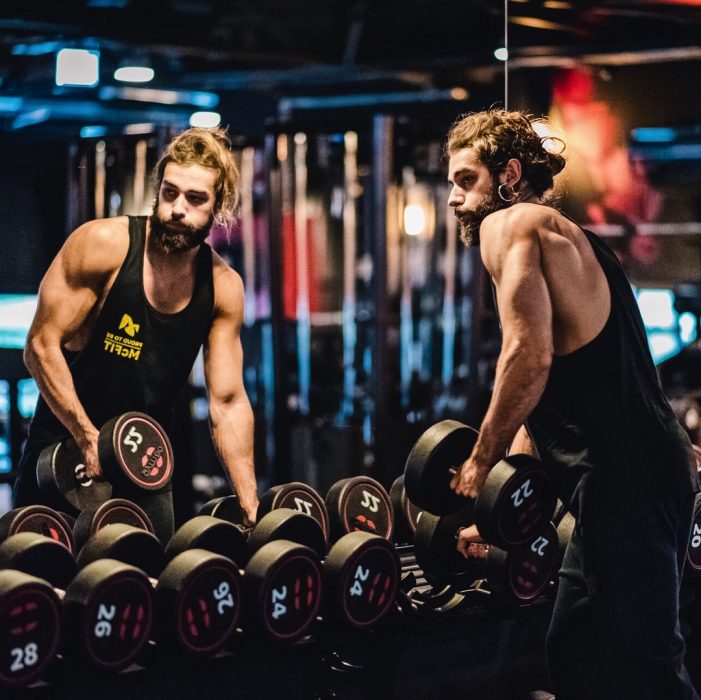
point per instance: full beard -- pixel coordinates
(177, 238)
(469, 222)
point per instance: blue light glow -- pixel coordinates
(654, 135)
(16, 312)
(93, 132)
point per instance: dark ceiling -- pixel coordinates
(268, 54)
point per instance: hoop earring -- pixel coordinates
(503, 198)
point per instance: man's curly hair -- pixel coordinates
(210, 148)
(497, 135)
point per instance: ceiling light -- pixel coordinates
(78, 67)
(205, 119)
(501, 54)
(134, 74)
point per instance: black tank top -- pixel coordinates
(136, 359)
(603, 410)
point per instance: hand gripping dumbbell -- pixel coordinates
(107, 611)
(135, 455)
(516, 501)
(522, 573)
(198, 592)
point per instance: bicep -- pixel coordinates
(77, 278)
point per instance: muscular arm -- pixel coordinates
(512, 255)
(231, 418)
(68, 293)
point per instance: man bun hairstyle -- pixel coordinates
(210, 148)
(497, 135)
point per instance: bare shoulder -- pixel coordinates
(228, 287)
(523, 219)
(524, 224)
(98, 245)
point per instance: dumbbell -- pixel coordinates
(30, 627)
(112, 511)
(280, 558)
(277, 571)
(361, 572)
(135, 455)
(516, 501)
(294, 495)
(29, 656)
(522, 573)
(41, 520)
(198, 592)
(406, 514)
(108, 607)
(216, 535)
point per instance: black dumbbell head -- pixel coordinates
(40, 519)
(361, 579)
(288, 524)
(61, 477)
(39, 556)
(199, 601)
(135, 452)
(406, 514)
(30, 627)
(428, 470)
(125, 543)
(282, 589)
(359, 503)
(299, 497)
(211, 534)
(225, 508)
(516, 502)
(115, 510)
(109, 608)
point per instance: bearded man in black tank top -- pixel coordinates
(575, 385)
(178, 296)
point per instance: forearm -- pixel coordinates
(231, 425)
(48, 367)
(520, 379)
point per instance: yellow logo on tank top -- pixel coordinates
(127, 323)
(118, 344)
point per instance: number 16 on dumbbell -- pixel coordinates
(516, 501)
(135, 455)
